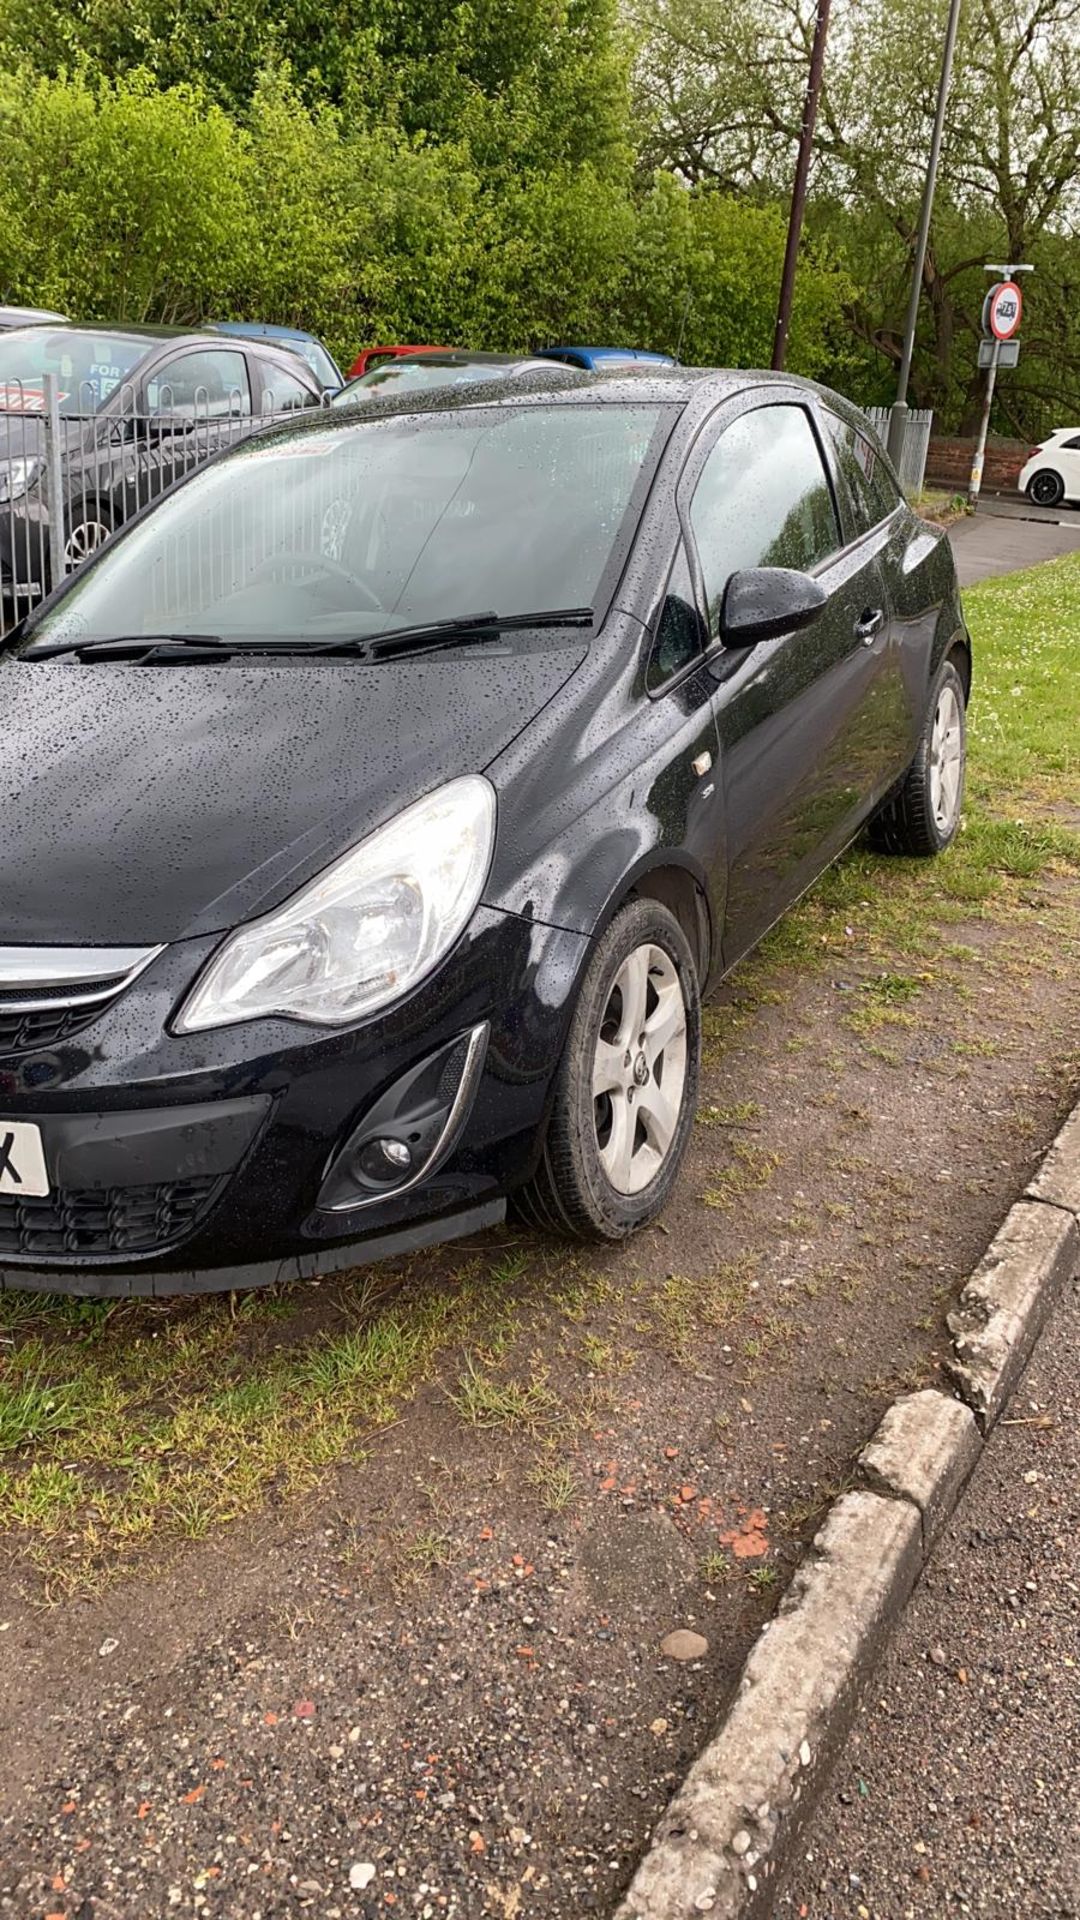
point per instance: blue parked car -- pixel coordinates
(595, 359)
(294, 340)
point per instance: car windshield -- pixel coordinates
(366, 526)
(419, 373)
(88, 366)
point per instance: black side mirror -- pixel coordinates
(762, 602)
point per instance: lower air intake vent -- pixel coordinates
(114, 1220)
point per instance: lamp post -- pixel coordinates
(798, 191)
(899, 413)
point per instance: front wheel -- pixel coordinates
(88, 529)
(626, 1089)
(1046, 488)
(924, 816)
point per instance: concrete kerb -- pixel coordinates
(734, 1822)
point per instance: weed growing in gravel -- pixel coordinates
(483, 1400)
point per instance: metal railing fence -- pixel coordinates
(916, 442)
(73, 471)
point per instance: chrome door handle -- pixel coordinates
(870, 624)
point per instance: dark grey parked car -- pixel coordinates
(139, 407)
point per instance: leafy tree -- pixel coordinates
(721, 92)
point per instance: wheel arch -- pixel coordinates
(678, 888)
(959, 653)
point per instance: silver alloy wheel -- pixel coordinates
(946, 759)
(84, 540)
(639, 1069)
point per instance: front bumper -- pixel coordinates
(199, 1162)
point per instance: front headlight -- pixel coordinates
(367, 929)
(16, 476)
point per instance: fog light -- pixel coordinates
(427, 1107)
(383, 1160)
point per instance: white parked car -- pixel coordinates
(1052, 473)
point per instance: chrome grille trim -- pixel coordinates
(44, 979)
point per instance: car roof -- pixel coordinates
(611, 353)
(690, 390)
(550, 384)
(465, 357)
(262, 330)
(12, 317)
(120, 330)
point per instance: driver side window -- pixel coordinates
(211, 385)
(763, 500)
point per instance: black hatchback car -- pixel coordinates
(378, 807)
(137, 408)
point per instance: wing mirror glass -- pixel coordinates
(762, 602)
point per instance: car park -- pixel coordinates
(379, 807)
(294, 340)
(597, 359)
(422, 373)
(1051, 474)
(137, 407)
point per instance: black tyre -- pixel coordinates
(924, 816)
(626, 1090)
(1046, 488)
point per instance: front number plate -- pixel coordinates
(22, 1160)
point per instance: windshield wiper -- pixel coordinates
(145, 647)
(125, 646)
(447, 633)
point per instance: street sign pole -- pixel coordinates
(975, 483)
(1002, 309)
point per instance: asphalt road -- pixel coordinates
(1005, 535)
(960, 1789)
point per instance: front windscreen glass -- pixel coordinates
(362, 527)
(88, 367)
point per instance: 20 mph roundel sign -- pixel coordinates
(1005, 305)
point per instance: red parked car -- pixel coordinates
(372, 355)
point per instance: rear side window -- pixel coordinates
(1073, 445)
(763, 500)
(870, 486)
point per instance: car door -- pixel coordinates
(878, 524)
(797, 761)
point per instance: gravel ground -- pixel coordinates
(959, 1791)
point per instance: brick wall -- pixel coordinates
(948, 463)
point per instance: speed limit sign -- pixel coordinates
(1002, 309)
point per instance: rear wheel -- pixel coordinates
(924, 816)
(1046, 488)
(626, 1089)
